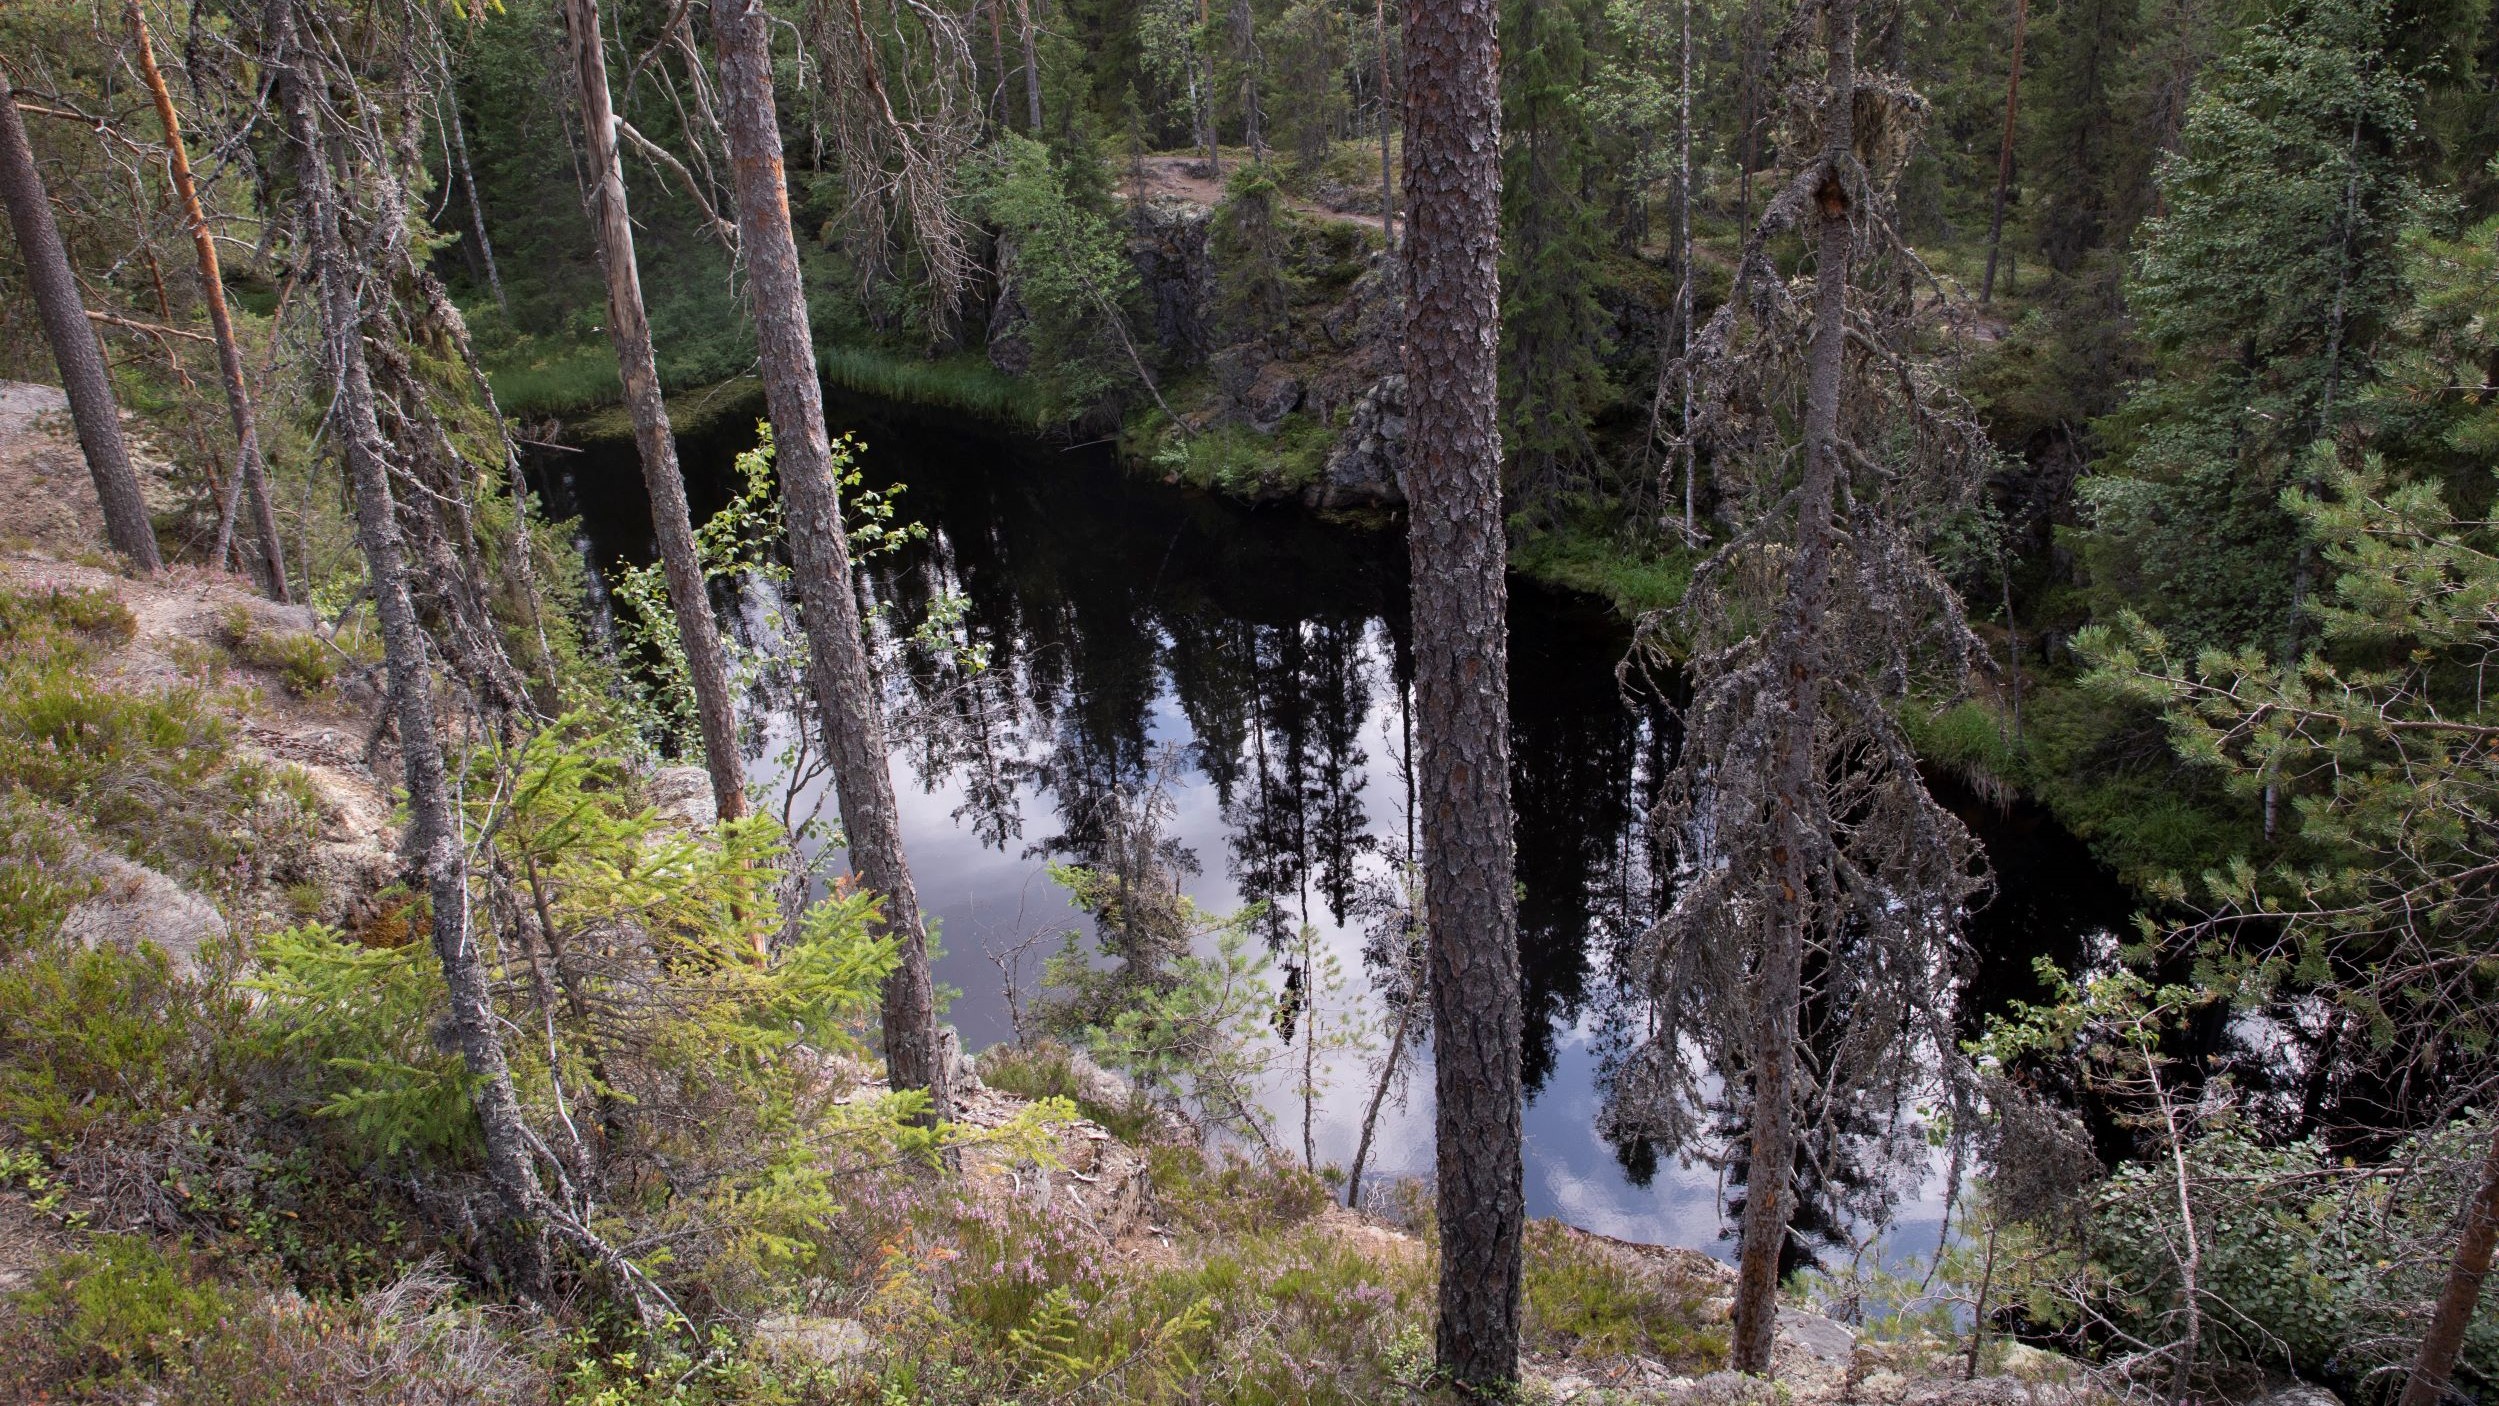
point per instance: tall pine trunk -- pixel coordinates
(434, 820)
(1457, 550)
(1388, 181)
(250, 482)
(91, 404)
(1799, 655)
(2443, 1340)
(629, 330)
(854, 728)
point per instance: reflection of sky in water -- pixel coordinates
(986, 898)
(1117, 609)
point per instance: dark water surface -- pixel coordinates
(1255, 664)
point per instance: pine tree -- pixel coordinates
(1814, 938)
(629, 331)
(1456, 542)
(92, 406)
(846, 697)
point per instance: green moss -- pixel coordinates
(1634, 580)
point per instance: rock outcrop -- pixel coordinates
(1176, 274)
(134, 904)
(1364, 468)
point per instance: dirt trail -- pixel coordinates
(1172, 178)
(52, 536)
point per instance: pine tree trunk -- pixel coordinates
(1457, 550)
(854, 729)
(91, 404)
(434, 821)
(1388, 183)
(2443, 1340)
(629, 330)
(251, 482)
(1796, 770)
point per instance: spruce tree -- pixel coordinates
(2260, 292)
(1552, 328)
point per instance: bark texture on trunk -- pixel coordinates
(250, 480)
(854, 728)
(1457, 551)
(2443, 1340)
(435, 837)
(91, 404)
(1388, 180)
(1770, 1199)
(629, 331)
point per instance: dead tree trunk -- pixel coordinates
(629, 330)
(91, 404)
(249, 478)
(2443, 1340)
(1032, 66)
(435, 826)
(1457, 549)
(854, 728)
(468, 186)
(1245, 42)
(2004, 153)
(1769, 1199)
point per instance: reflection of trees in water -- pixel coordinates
(1296, 811)
(1581, 755)
(953, 698)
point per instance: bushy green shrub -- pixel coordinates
(102, 1040)
(2307, 1258)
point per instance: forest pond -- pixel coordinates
(1253, 664)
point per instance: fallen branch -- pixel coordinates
(151, 328)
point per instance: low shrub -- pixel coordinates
(1230, 1194)
(1047, 1069)
(307, 666)
(153, 769)
(1582, 1301)
(134, 1320)
(126, 1307)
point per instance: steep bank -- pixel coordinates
(174, 1226)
